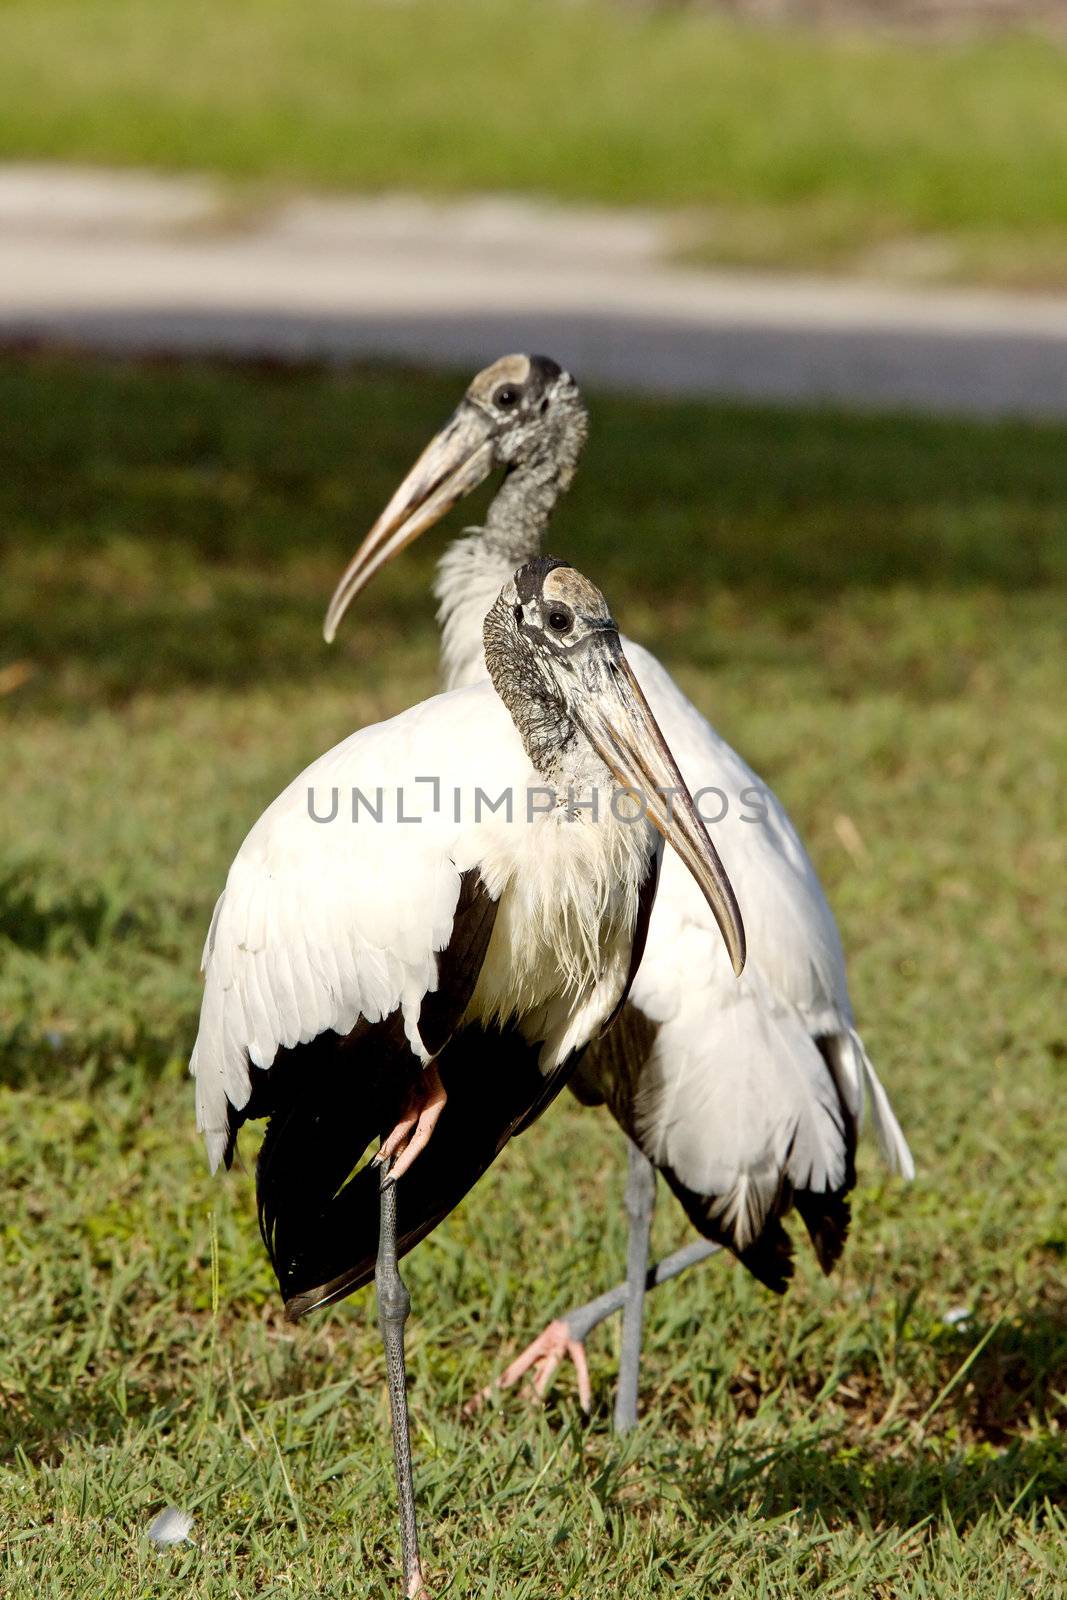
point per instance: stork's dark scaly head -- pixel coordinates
(538, 649)
(523, 412)
(535, 412)
(554, 654)
(559, 612)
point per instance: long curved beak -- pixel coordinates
(456, 461)
(619, 724)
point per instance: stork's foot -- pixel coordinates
(419, 1118)
(567, 1335)
(542, 1358)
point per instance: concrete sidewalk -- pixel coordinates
(125, 262)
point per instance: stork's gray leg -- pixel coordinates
(394, 1303)
(583, 1319)
(640, 1204)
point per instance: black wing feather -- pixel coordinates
(495, 1089)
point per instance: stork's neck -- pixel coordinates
(474, 569)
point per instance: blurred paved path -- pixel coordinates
(134, 263)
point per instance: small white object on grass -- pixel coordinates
(170, 1527)
(957, 1315)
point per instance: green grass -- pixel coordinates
(776, 145)
(873, 610)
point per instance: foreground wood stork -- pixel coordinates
(747, 1097)
(422, 933)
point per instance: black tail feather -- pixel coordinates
(328, 1101)
(769, 1258)
(826, 1217)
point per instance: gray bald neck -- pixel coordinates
(521, 509)
(473, 570)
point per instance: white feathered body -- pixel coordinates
(324, 922)
(737, 1099)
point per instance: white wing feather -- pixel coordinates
(315, 928)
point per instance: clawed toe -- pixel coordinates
(541, 1359)
(409, 1138)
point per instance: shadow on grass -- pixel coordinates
(919, 1485)
(55, 919)
(41, 1424)
(1004, 1411)
(85, 916)
(49, 1062)
(182, 523)
(1017, 1380)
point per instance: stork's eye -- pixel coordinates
(507, 396)
(559, 620)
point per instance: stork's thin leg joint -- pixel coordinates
(640, 1204)
(394, 1304)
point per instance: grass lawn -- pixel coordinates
(777, 146)
(873, 610)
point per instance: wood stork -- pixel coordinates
(421, 934)
(747, 1097)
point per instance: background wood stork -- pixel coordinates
(747, 1097)
(397, 953)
